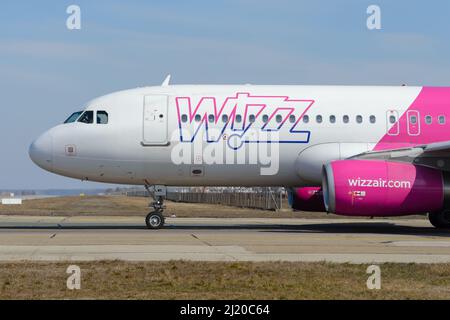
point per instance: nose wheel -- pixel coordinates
(154, 220)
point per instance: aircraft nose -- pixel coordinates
(41, 151)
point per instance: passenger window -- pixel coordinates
(333, 119)
(279, 118)
(291, 118)
(225, 118)
(305, 118)
(441, 119)
(238, 118)
(198, 118)
(252, 118)
(428, 120)
(359, 119)
(87, 117)
(373, 119)
(413, 119)
(211, 118)
(73, 117)
(102, 117)
(345, 119)
(184, 118)
(265, 118)
(392, 119)
(319, 119)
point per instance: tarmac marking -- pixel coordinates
(198, 239)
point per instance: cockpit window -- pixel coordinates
(73, 117)
(102, 117)
(87, 117)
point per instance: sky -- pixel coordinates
(48, 71)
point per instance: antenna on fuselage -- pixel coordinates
(166, 81)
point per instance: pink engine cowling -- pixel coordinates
(307, 199)
(382, 188)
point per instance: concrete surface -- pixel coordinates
(126, 238)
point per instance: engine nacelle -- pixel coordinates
(383, 188)
(307, 199)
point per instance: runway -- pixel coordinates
(204, 239)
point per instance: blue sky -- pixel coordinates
(47, 71)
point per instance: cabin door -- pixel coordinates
(155, 123)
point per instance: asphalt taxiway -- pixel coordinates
(202, 239)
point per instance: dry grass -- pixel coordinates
(203, 280)
(87, 205)
(121, 206)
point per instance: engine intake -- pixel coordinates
(383, 188)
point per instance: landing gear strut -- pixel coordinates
(155, 219)
(440, 220)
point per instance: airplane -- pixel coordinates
(374, 151)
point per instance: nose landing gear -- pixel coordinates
(155, 219)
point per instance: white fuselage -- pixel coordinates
(150, 130)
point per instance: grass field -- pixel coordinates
(202, 280)
(122, 205)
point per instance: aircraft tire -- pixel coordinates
(154, 220)
(440, 220)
